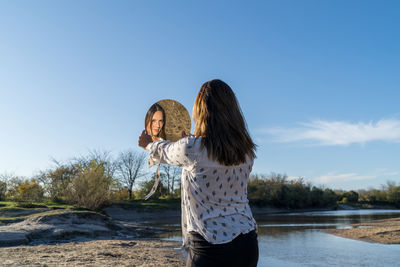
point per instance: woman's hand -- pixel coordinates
(144, 140)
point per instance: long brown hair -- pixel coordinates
(220, 123)
(149, 116)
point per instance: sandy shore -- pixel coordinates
(381, 231)
(66, 238)
(138, 252)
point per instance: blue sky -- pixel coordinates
(318, 81)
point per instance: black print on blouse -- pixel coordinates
(236, 192)
(219, 200)
(213, 192)
(202, 201)
(201, 169)
(217, 179)
(197, 205)
(231, 186)
(233, 219)
(211, 208)
(195, 191)
(241, 184)
(220, 186)
(214, 223)
(208, 211)
(201, 216)
(240, 170)
(226, 171)
(249, 167)
(204, 176)
(215, 171)
(224, 209)
(201, 190)
(225, 193)
(208, 199)
(207, 184)
(195, 179)
(229, 178)
(215, 231)
(225, 234)
(233, 171)
(189, 147)
(224, 224)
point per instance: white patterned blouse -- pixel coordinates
(214, 196)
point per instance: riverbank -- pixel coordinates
(137, 252)
(84, 238)
(382, 231)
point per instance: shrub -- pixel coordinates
(30, 191)
(120, 194)
(3, 189)
(91, 187)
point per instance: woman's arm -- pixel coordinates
(177, 153)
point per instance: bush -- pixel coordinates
(91, 187)
(30, 191)
(3, 189)
(120, 195)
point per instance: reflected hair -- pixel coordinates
(220, 123)
(149, 116)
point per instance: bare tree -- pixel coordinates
(171, 175)
(129, 167)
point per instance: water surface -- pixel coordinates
(298, 239)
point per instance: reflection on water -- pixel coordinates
(298, 239)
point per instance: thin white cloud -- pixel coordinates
(321, 132)
(342, 178)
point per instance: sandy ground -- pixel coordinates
(64, 238)
(95, 253)
(381, 231)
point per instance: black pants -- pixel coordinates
(241, 252)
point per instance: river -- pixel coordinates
(298, 239)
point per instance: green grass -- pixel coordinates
(12, 211)
(151, 204)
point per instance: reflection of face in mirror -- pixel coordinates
(155, 121)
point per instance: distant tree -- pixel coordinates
(146, 186)
(3, 189)
(129, 167)
(351, 196)
(56, 181)
(30, 191)
(393, 195)
(171, 175)
(12, 187)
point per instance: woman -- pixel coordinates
(154, 122)
(217, 223)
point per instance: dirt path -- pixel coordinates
(96, 253)
(382, 231)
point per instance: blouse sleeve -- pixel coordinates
(174, 153)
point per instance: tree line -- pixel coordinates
(92, 181)
(98, 179)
